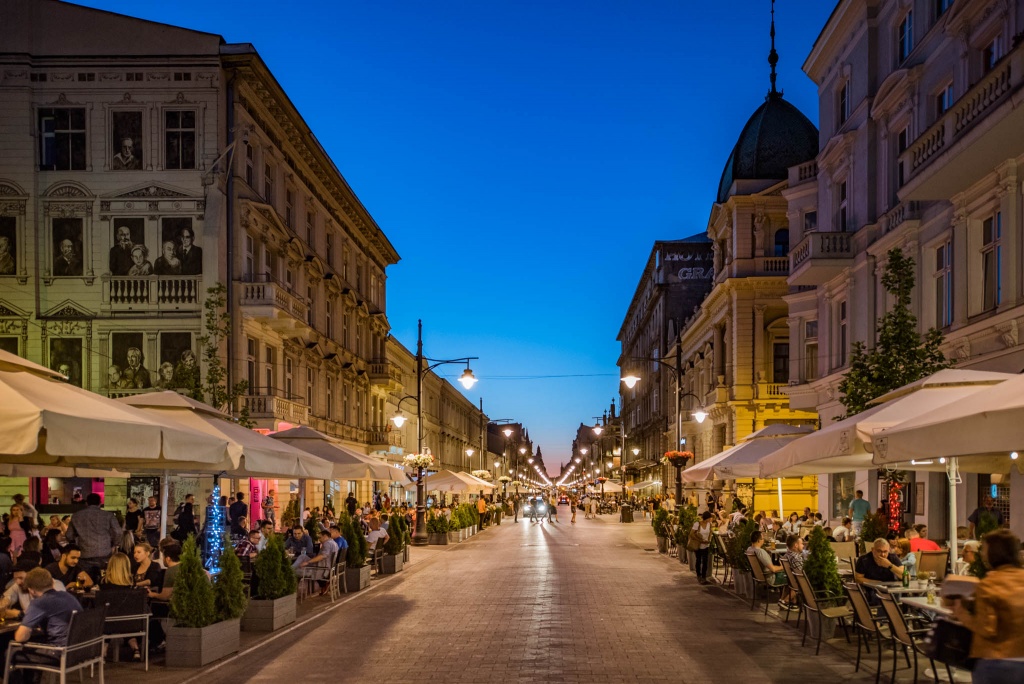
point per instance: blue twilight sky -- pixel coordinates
(522, 156)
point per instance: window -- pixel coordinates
(330, 319)
(250, 365)
(944, 284)
(811, 361)
(905, 36)
(330, 250)
(344, 263)
(309, 305)
(268, 184)
(288, 379)
(781, 242)
(842, 341)
(992, 259)
(310, 223)
(182, 76)
(180, 139)
(133, 76)
(345, 392)
(289, 208)
(844, 103)
(944, 100)
(268, 262)
(268, 370)
(780, 362)
(344, 330)
(941, 6)
(810, 221)
(250, 260)
(902, 142)
(329, 406)
(249, 162)
(288, 278)
(843, 217)
(990, 54)
(62, 139)
(309, 387)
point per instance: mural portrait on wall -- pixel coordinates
(66, 358)
(129, 361)
(9, 344)
(172, 346)
(179, 230)
(8, 245)
(67, 247)
(128, 232)
(126, 138)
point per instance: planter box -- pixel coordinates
(405, 554)
(357, 578)
(438, 538)
(744, 583)
(187, 647)
(269, 615)
(391, 564)
(455, 537)
(826, 625)
(662, 544)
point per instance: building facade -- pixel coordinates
(920, 149)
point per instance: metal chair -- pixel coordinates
(377, 558)
(935, 562)
(127, 616)
(901, 633)
(825, 606)
(759, 577)
(84, 648)
(312, 574)
(868, 623)
(337, 579)
(794, 589)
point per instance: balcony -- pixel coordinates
(981, 129)
(151, 294)
(387, 374)
(773, 266)
(904, 213)
(273, 303)
(820, 257)
(771, 390)
(273, 407)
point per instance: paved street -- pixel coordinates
(554, 603)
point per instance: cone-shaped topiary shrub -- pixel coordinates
(192, 599)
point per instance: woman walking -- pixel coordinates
(575, 504)
(700, 535)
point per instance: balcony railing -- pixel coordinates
(776, 265)
(895, 217)
(279, 408)
(771, 390)
(821, 246)
(984, 97)
(382, 372)
(273, 294)
(151, 293)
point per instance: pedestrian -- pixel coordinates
(238, 514)
(151, 522)
(859, 507)
(351, 503)
(553, 507)
(593, 507)
(268, 508)
(700, 536)
(515, 508)
(575, 505)
(586, 507)
(97, 533)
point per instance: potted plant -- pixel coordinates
(455, 526)
(406, 539)
(357, 572)
(437, 529)
(736, 547)
(822, 574)
(871, 529)
(204, 629)
(273, 604)
(687, 518)
(392, 561)
(660, 524)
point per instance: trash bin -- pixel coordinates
(626, 514)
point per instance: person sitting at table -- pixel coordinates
(299, 542)
(249, 547)
(66, 569)
(970, 555)
(337, 537)
(266, 532)
(777, 533)
(117, 587)
(918, 540)
(792, 526)
(147, 573)
(907, 556)
(6, 561)
(31, 551)
(49, 612)
(15, 599)
(775, 574)
(376, 534)
(323, 558)
(997, 618)
(879, 564)
(160, 597)
(844, 532)
(795, 557)
(51, 546)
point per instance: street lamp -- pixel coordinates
(467, 380)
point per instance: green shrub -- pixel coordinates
(396, 536)
(820, 567)
(291, 513)
(192, 599)
(357, 545)
(228, 589)
(438, 524)
(687, 517)
(659, 522)
(873, 528)
(274, 575)
(737, 545)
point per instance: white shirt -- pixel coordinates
(791, 527)
(17, 596)
(841, 534)
(374, 536)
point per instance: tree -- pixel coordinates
(357, 545)
(192, 599)
(821, 568)
(229, 589)
(901, 356)
(274, 575)
(214, 390)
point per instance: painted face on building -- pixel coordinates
(188, 358)
(64, 369)
(138, 256)
(124, 237)
(67, 249)
(186, 240)
(134, 358)
(169, 251)
(113, 375)
(126, 148)
(5, 245)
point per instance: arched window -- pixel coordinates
(782, 242)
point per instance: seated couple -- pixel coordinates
(776, 574)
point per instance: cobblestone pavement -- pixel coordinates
(591, 602)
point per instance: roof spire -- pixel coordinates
(773, 57)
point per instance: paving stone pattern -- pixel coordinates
(591, 602)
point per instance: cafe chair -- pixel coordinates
(902, 634)
(337, 580)
(935, 562)
(377, 558)
(760, 579)
(868, 623)
(824, 606)
(311, 575)
(84, 649)
(794, 589)
(127, 617)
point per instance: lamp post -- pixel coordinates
(467, 379)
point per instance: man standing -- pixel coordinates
(97, 533)
(515, 508)
(268, 509)
(984, 519)
(237, 514)
(191, 255)
(151, 522)
(186, 518)
(351, 503)
(859, 507)
(552, 506)
(481, 508)
(121, 253)
(50, 611)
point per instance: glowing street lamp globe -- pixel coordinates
(467, 379)
(630, 380)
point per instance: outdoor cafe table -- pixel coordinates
(932, 609)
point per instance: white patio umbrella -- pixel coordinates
(845, 445)
(346, 464)
(743, 459)
(448, 481)
(609, 487)
(487, 486)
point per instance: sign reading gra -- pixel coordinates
(696, 273)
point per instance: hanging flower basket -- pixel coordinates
(678, 458)
(602, 480)
(504, 478)
(482, 474)
(424, 460)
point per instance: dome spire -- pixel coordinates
(773, 57)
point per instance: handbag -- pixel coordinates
(950, 643)
(694, 541)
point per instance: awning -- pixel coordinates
(643, 485)
(346, 464)
(742, 460)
